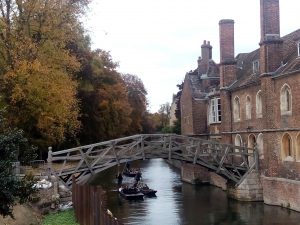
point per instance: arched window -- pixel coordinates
(236, 109)
(238, 142)
(285, 100)
(260, 146)
(248, 108)
(298, 148)
(286, 147)
(258, 105)
(251, 144)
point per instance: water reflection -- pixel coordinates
(185, 204)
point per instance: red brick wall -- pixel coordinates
(186, 109)
(199, 116)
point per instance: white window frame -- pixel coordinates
(215, 111)
(298, 48)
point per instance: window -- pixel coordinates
(236, 109)
(255, 66)
(215, 110)
(238, 142)
(298, 46)
(285, 100)
(251, 144)
(260, 146)
(248, 108)
(286, 148)
(258, 105)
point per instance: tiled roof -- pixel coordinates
(291, 62)
(195, 78)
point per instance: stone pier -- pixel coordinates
(249, 190)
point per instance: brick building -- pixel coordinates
(198, 85)
(256, 100)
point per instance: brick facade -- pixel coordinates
(274, 90)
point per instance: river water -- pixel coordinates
(179, 203)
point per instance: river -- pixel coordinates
(179, 203)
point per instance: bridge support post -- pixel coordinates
(170, 147)
(142, 147)
(194, 174)
(49, 162)
(249, 190)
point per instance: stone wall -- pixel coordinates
(281, 192)
(217, 181)
(193, 174)
(249, 190)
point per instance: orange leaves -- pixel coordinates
(43, 97)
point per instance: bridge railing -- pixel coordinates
(232, 162)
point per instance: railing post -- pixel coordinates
(142, 147)
(170, 147)
(196, 153)
(256, 157)
(114, 150)
(49, 162)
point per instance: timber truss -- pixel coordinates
(231, 162)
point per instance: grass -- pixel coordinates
(62, 218)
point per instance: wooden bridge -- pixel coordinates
(232, 162)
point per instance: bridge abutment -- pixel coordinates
(249, 190)
(194, 174)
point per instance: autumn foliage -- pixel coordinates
(54, 86)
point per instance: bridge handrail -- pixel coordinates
(142, 146)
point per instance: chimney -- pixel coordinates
(227, 61)
(270, 41)
(269, 22)
(226, 28)
(206, 51)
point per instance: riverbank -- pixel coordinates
(26, 215)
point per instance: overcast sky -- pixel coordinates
(160, 40)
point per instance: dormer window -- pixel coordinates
(298, 46)
(255, 66)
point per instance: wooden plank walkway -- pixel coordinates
(229, 161)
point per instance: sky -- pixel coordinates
(160, 40)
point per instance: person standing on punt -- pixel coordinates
(120, 179)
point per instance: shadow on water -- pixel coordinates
(185, 204)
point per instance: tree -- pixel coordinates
(164, 112)
(105, 107)
(136, 93)
(12, 190)
(38, 68)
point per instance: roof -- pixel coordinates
(290, 62)
(196, 77)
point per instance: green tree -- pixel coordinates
(164, 114)
(136, 93)
(12, 190)
(105, 107)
